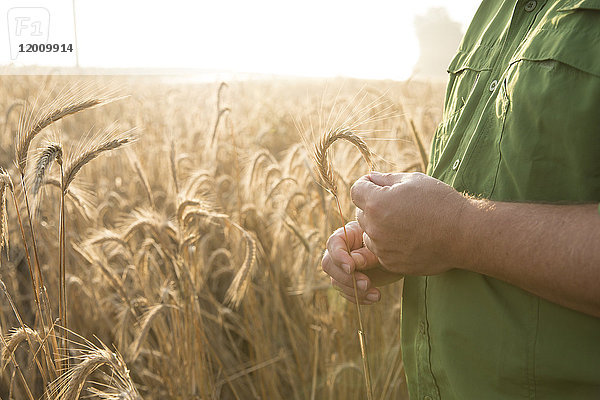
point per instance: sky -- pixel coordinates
(365, 39)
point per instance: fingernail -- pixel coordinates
(346, 268)
(362, 285)
(373, 297)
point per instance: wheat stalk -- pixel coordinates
(220, 111)
(82, 197)
(238, 287)
(191, 208)
(16, 337)
(323, 164)
(32, 123)
(145, 325)
(110, 140)
(71, 383)
(4, 182)
(325, 170)
(136, 165)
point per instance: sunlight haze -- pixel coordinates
(310, 38)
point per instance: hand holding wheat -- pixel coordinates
(365, 265)
(326, 172)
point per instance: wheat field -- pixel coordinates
(176, 233)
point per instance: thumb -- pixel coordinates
(385, 179)
(364, 259)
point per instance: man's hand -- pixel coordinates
(413, 224)
(417, 225)
(409, 221)
(339, 265)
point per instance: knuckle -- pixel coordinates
(355, 188)
(352, 225)
(329, 239)
(325, 268)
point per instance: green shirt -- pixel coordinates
(521, 123)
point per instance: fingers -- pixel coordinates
(340, 265)
(362, 189)
(338, 238)
(364, 258)
(380, 179)
(338, 249)
(336, 272)
(354, 232)
(369, 185)
(371, 295)
(371, 298)
(342, 281)
(367, 224)
(369, 243)
(360, 218)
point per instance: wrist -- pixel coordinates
(462, 239)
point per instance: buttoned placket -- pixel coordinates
(428, 388)
(523, 16)
(524, 13)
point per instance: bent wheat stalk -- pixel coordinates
(7, 183)
(109, 140)
(325, 170)
(31, 123)
(220, 111)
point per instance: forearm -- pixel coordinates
(549, 250)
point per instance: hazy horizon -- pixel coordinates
(309, 39)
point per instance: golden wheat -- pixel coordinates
(211, 289)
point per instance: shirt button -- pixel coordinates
(456, 164)
(530, 6)
(493, 85)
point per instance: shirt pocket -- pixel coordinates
(465, 77)
(464, 70)
(550, 148)
(569, 35)
(580, 5)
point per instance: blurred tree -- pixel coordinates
(439, 37)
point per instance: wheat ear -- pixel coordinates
(3, 216)
(31, 123)
(30, 127)
(52, 151)
(220, 111)
(324, 166)
(325, 170)
(103, 143)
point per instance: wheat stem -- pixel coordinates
(62, 278)
(18, 368)
(35, 252)
(37, 299)
(361, 333)
(325, 170)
